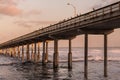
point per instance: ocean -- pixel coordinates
(14, 69)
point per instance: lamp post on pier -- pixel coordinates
(75, 13)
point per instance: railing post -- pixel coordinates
(103, 12)
(110, 9)
(70, 56)
(55, 56)
(119, 6)
(86, 57)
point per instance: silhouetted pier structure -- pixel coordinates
(102, 21)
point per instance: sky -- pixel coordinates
(19, 17)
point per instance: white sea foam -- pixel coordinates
(78, 54)
(115, 51)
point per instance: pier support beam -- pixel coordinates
(55, 56)
(18, 52)
(2, 52)
(11, 52)
(86, 57)
(35, 54)
(22, 53)
(14, 49)
(105, 55)
(32, 54)
(6, 51)
(43, 55)
(46, 55)
(28, 54)
(70, 55)
(38, 56)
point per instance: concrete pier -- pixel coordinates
(32, 53)
(28, 53)
(6, 53)
(46, 55)
(43, 55)
(22, 53)
(38, 56)
(105, 55)
(14, 51)
(86, 57)
(11, 52)
(35, 54)
(70, 55)
(18, 52)
(55, 56)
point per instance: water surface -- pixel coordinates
(14, 69)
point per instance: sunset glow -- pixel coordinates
(19, 17)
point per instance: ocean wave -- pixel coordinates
(115, 51)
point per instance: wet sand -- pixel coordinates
(13, 69)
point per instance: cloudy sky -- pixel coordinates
(18, 17)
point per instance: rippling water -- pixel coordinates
(13, 69)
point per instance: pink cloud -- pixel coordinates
(33, 12)
(8, 2)
(9, 7)
(23, 24)
(29, 24)
(30, 13)
(10, 10)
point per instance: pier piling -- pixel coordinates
(22, 53)
(43, 55)
(55, 56)
(18, 52)
(70, 56)
(14, 49)
(38, 56)
(32, 53)
(86, 57)
(6, 51)
(46, 55)
(105, 55)
(28, 54)
(35, 54)
(11, 52)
